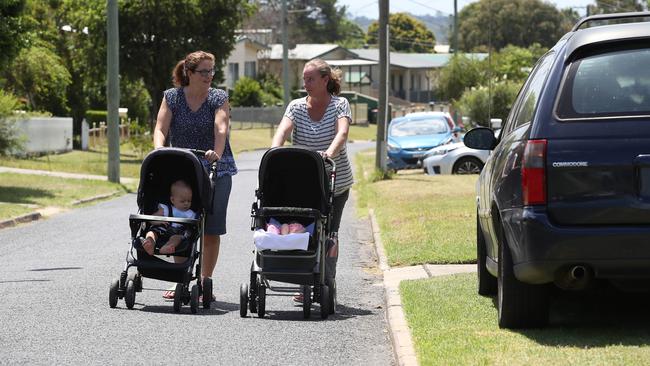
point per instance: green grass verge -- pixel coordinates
(434, 220)
(452, 325)
(19, 190)
(76, 161)
(363, 133)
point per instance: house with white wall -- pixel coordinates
(243, 61)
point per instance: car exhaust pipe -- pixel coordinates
(576, 277)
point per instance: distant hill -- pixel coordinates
(439, 24)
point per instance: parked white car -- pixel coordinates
(455, 158)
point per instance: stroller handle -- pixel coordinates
(201, 154)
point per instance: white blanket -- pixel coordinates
(264, 240)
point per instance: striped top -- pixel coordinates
(318, 135)
(195, 129)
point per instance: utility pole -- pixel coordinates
(383, 116)
(455, 26)
(113, 91)
(285, 54)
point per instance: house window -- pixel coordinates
(249, 69)
(233, 74)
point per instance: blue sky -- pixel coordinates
(370, 8)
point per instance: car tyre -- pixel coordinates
(520, 305)
(487, 284)
(467, 165)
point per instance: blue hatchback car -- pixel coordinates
(411, 136)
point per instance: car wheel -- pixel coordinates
(467, 165)
(487, 284)
(520, 305)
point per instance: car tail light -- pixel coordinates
(533, 173)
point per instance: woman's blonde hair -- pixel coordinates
(190, 63)
(334, 83)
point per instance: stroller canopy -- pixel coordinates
(294, 177)
(162, 167)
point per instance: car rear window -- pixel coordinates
(419, 127)
(608, 84)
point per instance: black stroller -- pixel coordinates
(159, 169)
(294, 186)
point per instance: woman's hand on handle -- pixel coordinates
(212, 156)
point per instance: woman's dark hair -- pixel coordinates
(190, 63)
(334, 83)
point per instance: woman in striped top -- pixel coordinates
(320, 121)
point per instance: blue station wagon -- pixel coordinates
(564, 198)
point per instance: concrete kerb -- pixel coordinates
(399, 330)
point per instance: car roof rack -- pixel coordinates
(592, 18)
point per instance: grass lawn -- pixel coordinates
(76, 161)
(452, 325)
(21, 194)
(434, 220)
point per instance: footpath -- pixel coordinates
(400, 334)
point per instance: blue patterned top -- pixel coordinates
(195, 130)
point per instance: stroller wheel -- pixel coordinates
(332, 297)
(207, 292)
(306, 301)
(252, 298)
(243, 300)
(194, 299)
(129, 296)
(137, 280)
(324, 301)
(261, 299)
(178, 297)
(112, 293)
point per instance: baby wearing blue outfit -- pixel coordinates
(181, 200)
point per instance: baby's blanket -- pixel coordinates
(264, 240)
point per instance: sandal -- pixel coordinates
(169, 294)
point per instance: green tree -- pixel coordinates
(154, 35)
(247, 93)
(13, 29)
(514, 63)
(481, 104)
(498, 23)
(271, 88)
(461, 73)
(407, 34)
(353, 35)
(40, 77)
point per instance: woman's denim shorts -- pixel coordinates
(215, 223)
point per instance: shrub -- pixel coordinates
(475, 102)
(247, 93)
(10, 140)
(94, 116)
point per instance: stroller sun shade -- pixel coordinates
(294, 177)
(162, 167)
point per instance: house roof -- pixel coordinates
(303, 51)
(413, 60)
(254, 43)
(354, 62)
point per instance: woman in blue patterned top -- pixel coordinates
(321, 121)
(195, 116)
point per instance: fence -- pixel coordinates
(98, 131)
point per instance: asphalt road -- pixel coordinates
(55, 276)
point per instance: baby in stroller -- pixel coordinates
(171, 179)
(181, 201)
